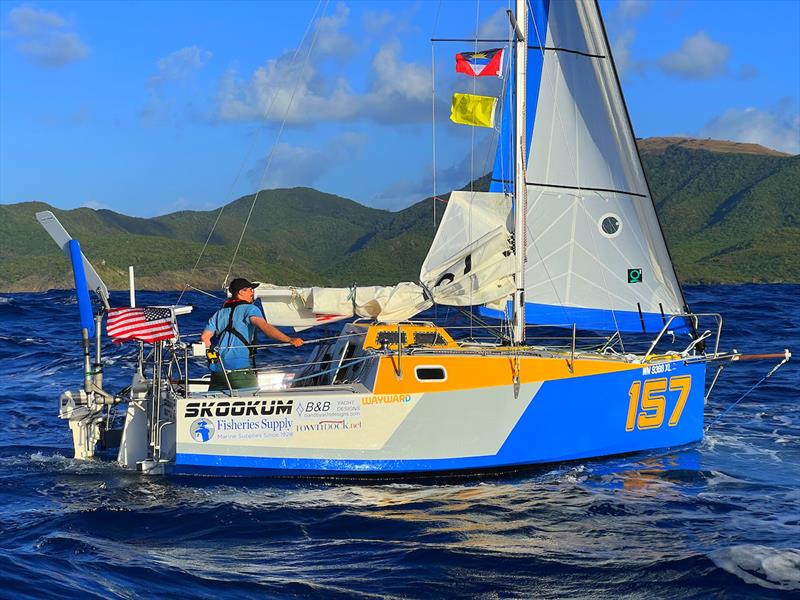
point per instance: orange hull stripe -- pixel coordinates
(466, 372)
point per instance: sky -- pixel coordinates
(147, 108)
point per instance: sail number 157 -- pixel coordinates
(647, 406)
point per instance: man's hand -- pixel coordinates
(295, 342)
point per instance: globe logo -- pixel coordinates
(201, 430)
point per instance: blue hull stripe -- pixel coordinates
(568, 419)
(595, 319)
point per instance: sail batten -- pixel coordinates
(570, 50)
(585, 188)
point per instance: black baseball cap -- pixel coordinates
(239, 284)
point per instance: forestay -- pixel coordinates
(596, 255)
(469, 263)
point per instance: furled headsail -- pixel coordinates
(596, 255)
(469, 263)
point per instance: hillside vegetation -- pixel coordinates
(729, 215)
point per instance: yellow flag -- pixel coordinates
(469, 109)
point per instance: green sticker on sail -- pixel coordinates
(634, 276)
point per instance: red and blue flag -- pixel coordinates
(486, 63)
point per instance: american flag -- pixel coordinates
(144, 324)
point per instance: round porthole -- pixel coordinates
(610, 225)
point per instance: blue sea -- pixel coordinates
(717, 519)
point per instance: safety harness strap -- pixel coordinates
(233, 331)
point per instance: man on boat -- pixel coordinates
(235, 327)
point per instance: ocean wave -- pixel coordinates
(57, 460)
(772, 568)
(647, 523)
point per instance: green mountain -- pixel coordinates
(298, 236)
(728, 216)
(731, 213)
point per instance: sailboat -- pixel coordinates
(566, 238)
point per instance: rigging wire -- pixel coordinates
(747, 393)
(433, 109)
(433, 131)
(275, 143)
(245, 160)
(472, 163)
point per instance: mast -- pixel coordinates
(520, 186)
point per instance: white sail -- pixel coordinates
(60, 236)
(304, 307)
(469, 263)
(595, 251)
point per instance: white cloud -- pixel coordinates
(401, 194)
(376, 22)
(382, 23)
(155, 107)
(699, 57)
(171, 69)
(27, 20)
(399, 91)
(623, 58)
(281, 89)
(293, 166)
(296, 89)
(775, 127)
(180, 64)
(96, 205)
(632, 9)
(497, 26)
(620, 22)
(330, 41)
(42, 38)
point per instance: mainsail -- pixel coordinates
(596, 255)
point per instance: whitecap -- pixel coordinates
(773, 568)
(54, 461)
(577, 474)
